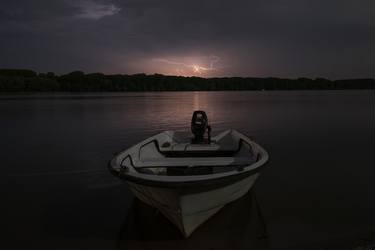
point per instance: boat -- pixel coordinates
(190, 178)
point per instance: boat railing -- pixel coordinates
(181, 169)
(188, 169)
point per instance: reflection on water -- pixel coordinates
(57, 193)
(239, 225)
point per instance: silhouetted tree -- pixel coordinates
(16, 80)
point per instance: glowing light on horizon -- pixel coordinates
(187, 69)
(198, 69)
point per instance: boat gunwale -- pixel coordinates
(205, 184)
(218, 179)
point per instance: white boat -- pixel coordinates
(190, 179)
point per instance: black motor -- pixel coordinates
(199, 125)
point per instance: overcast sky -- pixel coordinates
(280, 38)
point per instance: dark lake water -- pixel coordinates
(318, 191)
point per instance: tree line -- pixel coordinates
(16, 80)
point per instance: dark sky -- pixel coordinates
(290, 38)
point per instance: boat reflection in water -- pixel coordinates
(239, 225)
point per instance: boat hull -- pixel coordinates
(186, 208)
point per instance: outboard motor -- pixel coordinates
(199, 125)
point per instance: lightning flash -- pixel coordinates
(192, 69)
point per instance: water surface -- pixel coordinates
(317, 192)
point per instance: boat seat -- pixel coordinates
(193, 161)
(179, 145)
(225, 147)
(150, 156)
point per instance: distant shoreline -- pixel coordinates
(27, 81)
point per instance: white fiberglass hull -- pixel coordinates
(189, 210)
(187, 182)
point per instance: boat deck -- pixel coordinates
(177, 151)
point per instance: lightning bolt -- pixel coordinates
(193, 67)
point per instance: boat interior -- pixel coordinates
(173, 153)
(178, 153)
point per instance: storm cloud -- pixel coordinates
(290, 38)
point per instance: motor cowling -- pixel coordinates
(199, 125)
